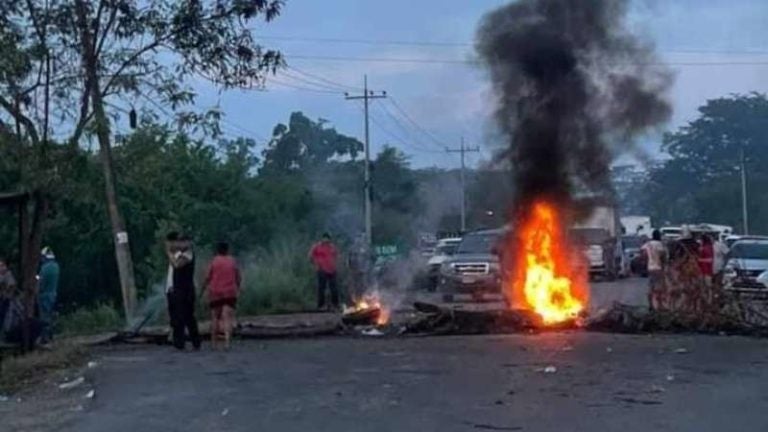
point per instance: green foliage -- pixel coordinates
(278, 279)
(90, 320)
(701, 182)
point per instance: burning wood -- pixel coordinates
(367, 311)
(443, 321)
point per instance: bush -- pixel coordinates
(101, 318)
(279, 279)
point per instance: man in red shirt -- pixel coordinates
(323, 256)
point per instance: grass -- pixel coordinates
(85, 321)
(22, 371)
(277, 280)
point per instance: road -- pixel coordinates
(597, 382)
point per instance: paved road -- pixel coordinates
(598, 382)
(602, 382)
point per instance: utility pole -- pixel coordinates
(744, 212)
(367, 96)
(463, 150)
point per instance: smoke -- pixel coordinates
(574, 90)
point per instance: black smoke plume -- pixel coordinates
(574, 89)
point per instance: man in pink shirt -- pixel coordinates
(323, 256)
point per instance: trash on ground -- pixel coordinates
(225, 412)
(682, 351)
(657, 389)
(90, 394)
(71, 384)
(609, 350)
(567, 348)
(550, 369)
(670, 377)
(92, 364)
(372, 332)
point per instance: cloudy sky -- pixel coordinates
(417, 51)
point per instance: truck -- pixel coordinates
(597, 230)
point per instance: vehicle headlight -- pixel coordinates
(730, 272)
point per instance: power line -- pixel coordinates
(312, 82)
(322, 79)
(399, 139)
(470, 62)
(407, 132)
(358, 41)
(410, 119)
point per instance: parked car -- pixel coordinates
(746, 261)
(474, 267)
(444, 250)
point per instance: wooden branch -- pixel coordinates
(107, 28)
(21, 118)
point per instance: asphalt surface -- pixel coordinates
(567, 381)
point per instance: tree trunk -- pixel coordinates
(120, 236)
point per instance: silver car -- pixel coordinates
(746, 261)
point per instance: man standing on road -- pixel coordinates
(655, 253)
(323, 256)
(180, 290)
(49, 287)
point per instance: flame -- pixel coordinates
(545, 277)
(371, 301)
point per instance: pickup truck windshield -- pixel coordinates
(477, 244)
(750, 251)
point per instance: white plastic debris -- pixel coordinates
(609, 350)
(92, 364)
(71, 384)
(682, 351)
(670, 377)
(372, 332)
(90, 394)
(550, 369)
(225, 412)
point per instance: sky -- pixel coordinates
(417, 51)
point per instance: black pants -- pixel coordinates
(326, 280)
(181, 309)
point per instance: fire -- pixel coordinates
(368, 302)
(545, 277)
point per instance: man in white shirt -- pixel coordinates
(655, 253)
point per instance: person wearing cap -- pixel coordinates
(48, 290)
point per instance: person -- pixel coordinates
(721, 254)
(655, 253)
(48, 290)
(7, 293)
(180, 290)
(323, 256)
(706, 258)
(223, 285)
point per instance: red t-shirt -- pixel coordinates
(223, 278)
(323, 256)
(706, 259)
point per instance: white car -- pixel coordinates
(444, 249)
(747, 261)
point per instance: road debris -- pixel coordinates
(483, 426)
(670, 377)
(549, 369)
(681, 351)
(225, 412)
(372, 332)
(90, 394)
(567, 348)
(638, 401)
(658, 389)
(71, 384)
(92, 364)
(609, 350)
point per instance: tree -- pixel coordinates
(303, 144)
(73, 58)
(702, 179)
